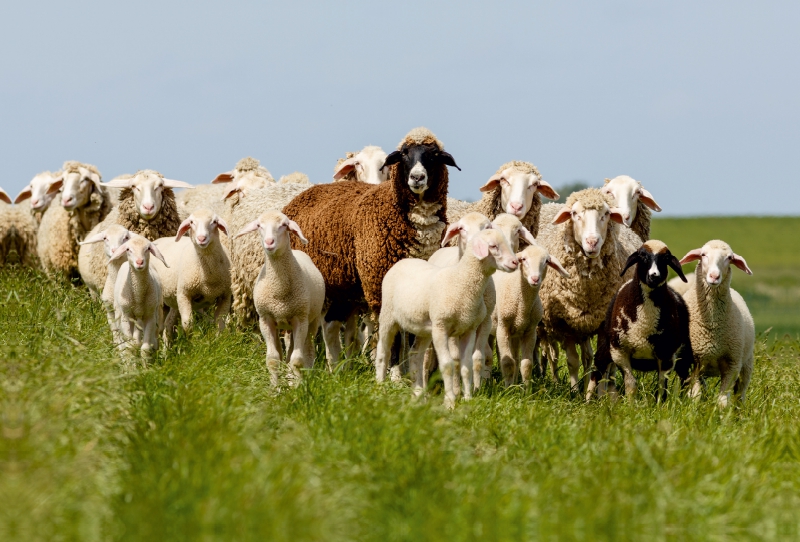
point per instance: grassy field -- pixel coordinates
(197, 446)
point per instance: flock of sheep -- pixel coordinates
(370, 252)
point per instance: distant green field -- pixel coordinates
(771, 246)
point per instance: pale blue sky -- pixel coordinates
(698, 100)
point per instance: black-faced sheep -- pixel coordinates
(357, 231)
(646, 327)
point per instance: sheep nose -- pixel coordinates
(417, 177)
(713, 275)
(66, 201)
(592, 242)
(35, 202)
(139, 262)
(201, 239)
(516, 208)
(269, 243)
(148, 207)
(534, 280)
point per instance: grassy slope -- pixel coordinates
(198, 446)
(771, 247)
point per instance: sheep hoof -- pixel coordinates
(395, 375)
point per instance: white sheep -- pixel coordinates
(112, 238)
(38, 191)
(680, 286)
(633, 202)
(364, 165)
(17, 234)
(288, 294)
(137, 295)
(443, 305)
(199, 272)
(721, 328)
(582, 234)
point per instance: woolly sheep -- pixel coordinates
(199, 273)
(365, 165)
(17, 234)
(289, 293)
(137, 295)
(146, 207)
(680, 286)
(112, 238)
(720, 325)
(512, 189)
(582, 235)
(647, 324)
(295, 178)
(443, 305)
(38, 191)
(84, 203)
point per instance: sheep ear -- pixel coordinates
(232, 191)
(647, 198)
(553, 262)
(222, 226)
(492, 183)
(392, 159)
(292, 225)
(56, 186)
(453, 230)
(25, 194)
(119, 183)
(544, 188)
(691, 256)
(94, 177)
(4, 196)
(524, 233)
(171, 183)
(563, 215)
(96, 238)
(480, 248)
(157, 253)
(344, 168)
(632, 259)
(607, 180)
(675, 264)
(183, 228)
(739, 262)
(253, 226)
(616, 215)
(448, 160)
(223, 177)
(122, 249)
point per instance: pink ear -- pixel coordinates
(492, 183)
(480, 248)
(4, 196)
(452, 230)
(223, 177)
(546, 190)
(223, 227)
(56, 186)
(122, 249)
(344, 168)
(692, 255)
(183, 228)
(119, 183)
(739, 262)
(526, 235)
(553, 262)
(96, 238)
(253, 226)
(563, 215)
(25, 194)
(157, 253)
(616, 216)
(647, 198)
(296, 229)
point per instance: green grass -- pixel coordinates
(197, 446)
(771, 247)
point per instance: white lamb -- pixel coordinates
(443, 305)
(137, 295)
(199, 274)
(721, 328)
(364, 165)
(38, 191)
(288, 294)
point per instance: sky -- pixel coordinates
(699, 101)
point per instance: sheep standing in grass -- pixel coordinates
(443, 305)
(83, 204)
(146, 207)
(112, 238)
(289, 293)
(721, 328)
(647, 324)
(199, 274)
(137, 295)
(513, 189)
(582, 234)
(17, 234)
(38, 191)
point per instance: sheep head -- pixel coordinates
(366, 165)
(513, 229)
(76, 182)
(534, 261)
(519, 182)
(274, 228)
(112, 238)
(590, 213)
(147, 187)
(205, 226)
(651, 261)
(138, 250)
(38, 190)
(716, 258)
(627, 192)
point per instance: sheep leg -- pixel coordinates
(740, 387)
(479, 355)
(623, 361)
(455, 356)
(466, 346)
(587, 356)
(269, 330)
(222, 310)
(573, 362)
(446, 364)
(369, 333)
(504, 353)
(526, 364)
(428, 365)
(308, 344)
(333, 344)
(150, 337)
(351, 342)
(416, 364)
(386, 334)
(552, 355)
(662, 383)
(126, 329)
(297, 359)
(728, 373)
(185, 310)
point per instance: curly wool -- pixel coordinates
(246, 252)
(491, 205)
(17, 237)
(575, 306)
(72, 166)
(251, 164)
(356, 231)
(295, 178)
